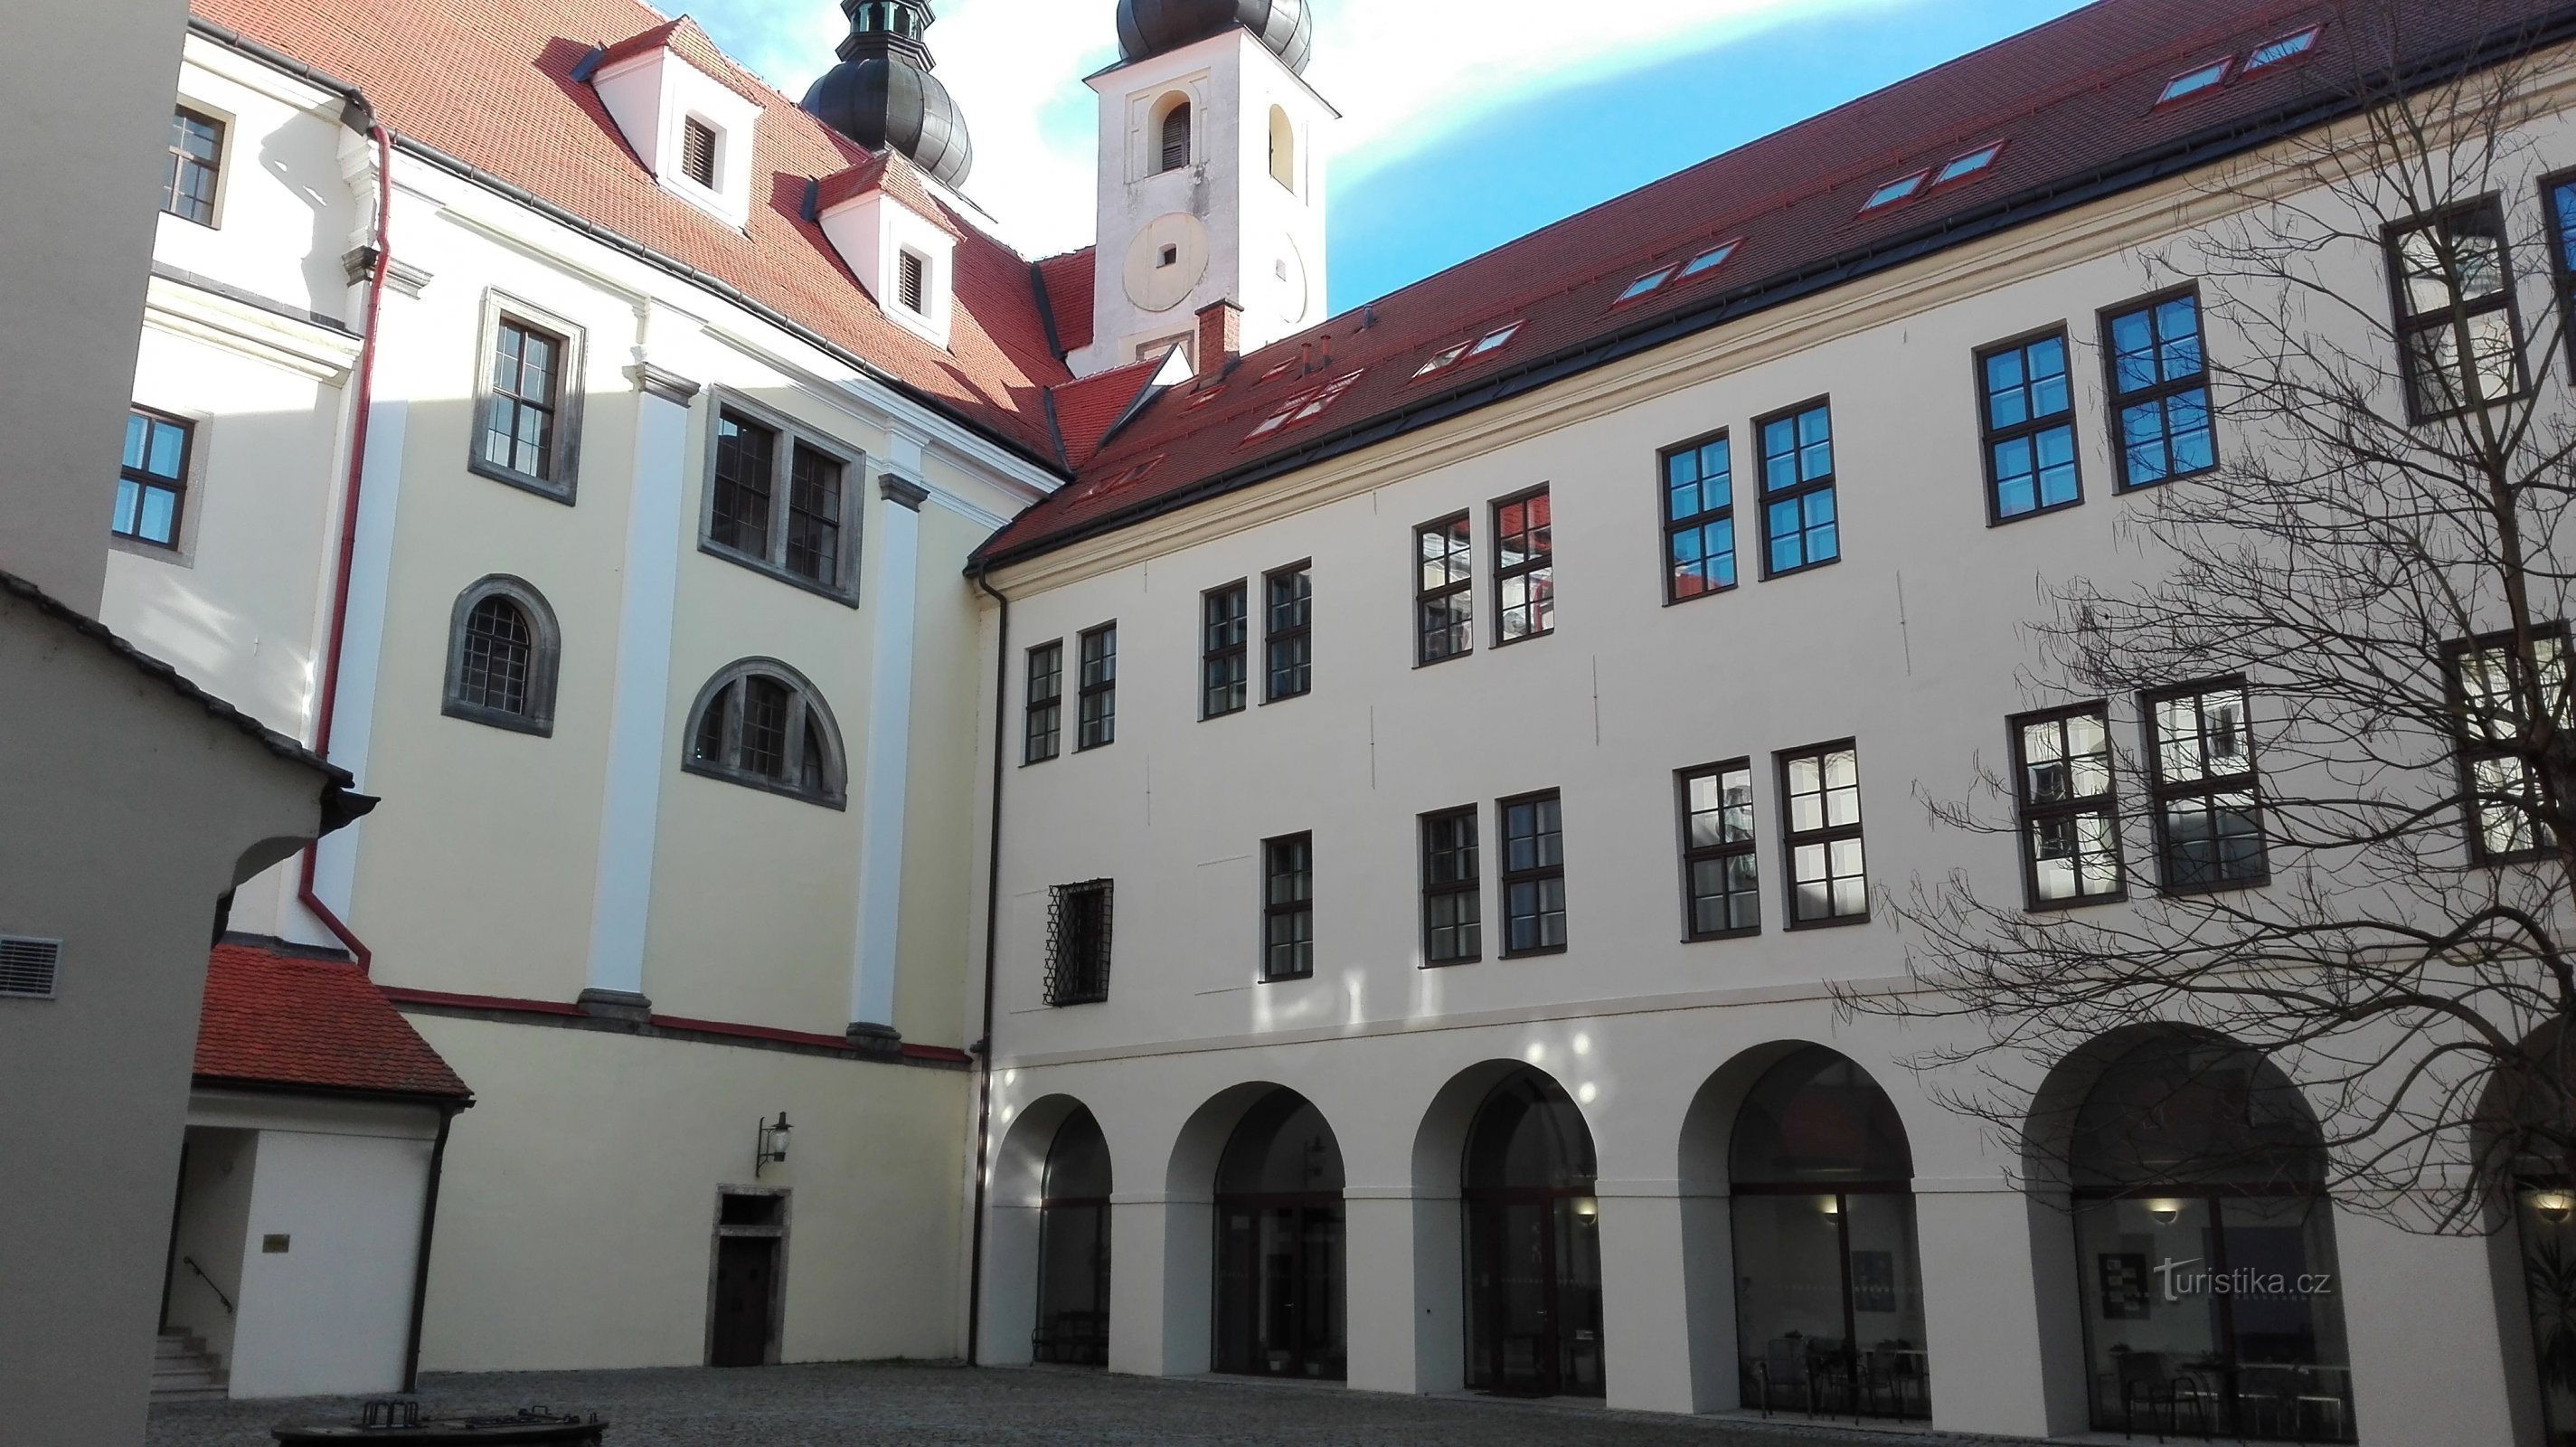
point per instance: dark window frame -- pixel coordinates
(560, 482)
(1300, 869)
(1077, 969)
(1471, 887)
(185, 164)
(1766, 498)
(2470, 749)
(2029, 813)
(788, 436)
(1990, 436)
(2405, 324)
(1225, 649)
(1694, 854)
(1050, 705)
(1096, 726)
(1538, 874)
(728, 689)
(545, 653)
(1297, 637)
(1535, 563)
(1178, 125)
(2160, 790)
(1458, 569)
(691, 153)
(146, 481)
(1827, 834)
(1699, 522)
(2562, 236)
(2157, 392)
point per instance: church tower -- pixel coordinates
(882, 94)
(1211, 177)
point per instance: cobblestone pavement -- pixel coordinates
(917, 1405)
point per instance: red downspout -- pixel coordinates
(366, 380)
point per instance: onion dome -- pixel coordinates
(882, 94)
(1150, 27)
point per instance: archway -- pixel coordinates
(1533, 1244)
(2205, 1245)
(1829, 1279)
(1280, 1263)
(1073, 1247)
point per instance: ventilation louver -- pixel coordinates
(27, 966)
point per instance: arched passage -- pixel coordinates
(1533, 1243)
(2205, 1247)
(1073, 1247)
(1828, 1276)
(2525, 1142)
(1280, 1262)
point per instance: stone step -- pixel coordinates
(190, 1394)
(178, 1344)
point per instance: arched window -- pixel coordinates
(1280, 1307)
(1533, 1244)
(1283, 149)
(1073, 1247)
(760, 723)
(1176, 137)
(502, 646)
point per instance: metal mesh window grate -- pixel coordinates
(698, 151)
(1078, 943)
(500, 650)
(27, 966)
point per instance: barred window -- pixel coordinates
(1721, 885)
(1699, 519)
(761, 724)
(1524, 568)
(2069, 820)
(1222, 658)
(196, 162)
(503, 646)
(1444, 591)
(1452, 905)
(779, 500)
(2209, 822)
(2498, 690)
(2455, 321)
(1288, 632)
(153, 480)
(1820, 809)
(1533, 874)
(1096, 707)
(2159, 389)
(1045, 704)
(1799, 526)
(1288, 907)
(2027, 414)
(499, 647)
(1077, 969)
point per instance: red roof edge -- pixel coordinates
(280, 1021)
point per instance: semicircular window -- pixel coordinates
(502, 647)
(761, 724)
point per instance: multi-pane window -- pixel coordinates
(698, 151)
(2028, 418)
(153, 479)
(2562, 253)
(1222, 660)
(1533, 874)
(759, 726)
(1287, 632)
(2070, 832)
(1524, 568)
(525, 394)
(1096, 691)
(1820, 809)
(1452, 905)
(2499, 690)
(814, 515)
(1077, 969)
(1721, 887)
(745, 452)
(2159, 389)
(1288, 907)
(1699, 519)
(1044, 725)
(500, 651)
(1445, 590)
(2455, 320)
(2209, 824)
(780, 501)
(196, 157)
(1798, 524)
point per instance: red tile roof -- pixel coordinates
(279, 1020)
(1067, 280)
(1086, 410)
(898, 178)
(489, 83)
(2075, 101)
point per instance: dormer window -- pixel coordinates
(691, 128)
(698, 151)
(896, 240)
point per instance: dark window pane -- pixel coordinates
(499, 653)
(745, 452)
(814, 515)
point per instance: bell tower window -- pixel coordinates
(1176, 138)
(1283, 149)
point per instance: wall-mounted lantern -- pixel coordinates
(773, 1144)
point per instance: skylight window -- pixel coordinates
(1646, 285)
(1895, 191)
(2290, 46)
(1304, 406)
(2193, 82)
(1439, 359)
(1493, 339)
(1276, 369)
(1206, 397)
(1121, 481)
(1468, 351)
(1970, 164)
(1710, 259)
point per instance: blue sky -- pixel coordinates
(1467, 122)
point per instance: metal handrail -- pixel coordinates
(191, 1263)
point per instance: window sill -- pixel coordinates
(764, 785)
(2081, 901)
(2230, 886)
(170, 553)
(1033, 763)
(517, 723)
(561, 492)
(1832, 922)
(1077, 1000)
(1998, 520)
(1093, 748)
(1285, 697)
(1221, 713)
(2126, 486)
(1719, 591)
(1474, 959)
(1284, 979)
(1524, 638)
(1769, 576)
(1421, 663)
(1746, 933)
(1534, 952)
(846, 597)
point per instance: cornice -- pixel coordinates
(324, 354)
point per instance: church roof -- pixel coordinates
(2073, 111)
(275, 1020)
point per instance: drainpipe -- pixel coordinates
(338, 627)
(420, 1260)
(992, 950)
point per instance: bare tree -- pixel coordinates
(2366, 868)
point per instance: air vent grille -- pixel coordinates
(27, 966)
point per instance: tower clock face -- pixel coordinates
(1289, 271)
(1166, 261)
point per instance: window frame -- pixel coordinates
(179, 487)
(1031, 704)
(1273, 909)
(772, 561)
(2404, 325)
(2469, 751)
(1695, 854)
(2160, 790)
(1301, 634)
(1085, 690)
(2028, 812)
(1079, 982)
(1186, 113)
(1507, 876)
(564, 448)
(1532, 563)
(1989, 436)
(1458, 581)
(805, 701)
(912, 281)
(1472, 887)
(223, 128)
(1829, 834)
(693, 125)
(1225, 659)
(2113, 399)
(1829, 485)
(1698, 522)
(2562, 274)
(545, 655)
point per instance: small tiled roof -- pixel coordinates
(1067, 280)
(1085, 411)
(889, 172)
(2074, 103)
(273, 1019)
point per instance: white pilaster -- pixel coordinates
(2403, 1291)
(641, 700)
(895, 589)
(1981, 1292)
(1645, 1303)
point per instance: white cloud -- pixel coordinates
(1404, 73)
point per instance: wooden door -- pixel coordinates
(746, 1286)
